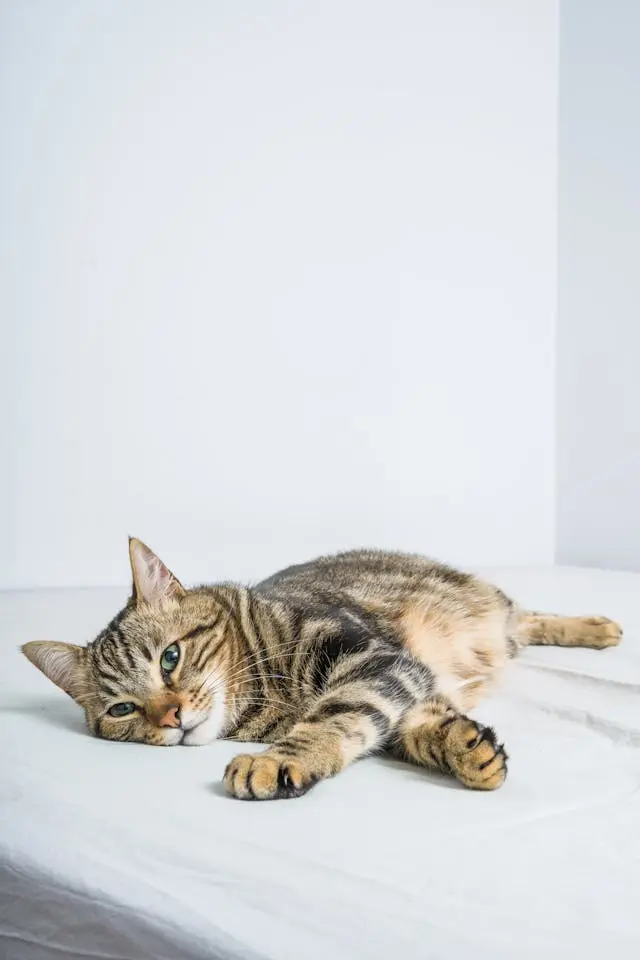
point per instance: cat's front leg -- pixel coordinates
(344, 725)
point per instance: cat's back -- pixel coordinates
(373, 578)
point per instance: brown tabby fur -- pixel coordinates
(328, 662)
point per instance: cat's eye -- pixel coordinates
(170, 657)
(122, 709)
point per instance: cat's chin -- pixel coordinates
(171, 737)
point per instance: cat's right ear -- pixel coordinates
(153, 582)
(65, 664)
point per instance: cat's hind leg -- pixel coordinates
(551, 629)
(435, 735)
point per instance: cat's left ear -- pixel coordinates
(153, 583)
(65, 664)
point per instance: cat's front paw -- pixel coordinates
(266, 776)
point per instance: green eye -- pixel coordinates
(170, 657)
(122, 709)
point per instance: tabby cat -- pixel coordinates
(327, 662)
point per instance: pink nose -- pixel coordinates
(171, 718)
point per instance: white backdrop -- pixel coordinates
(599, 315)
(276, 278)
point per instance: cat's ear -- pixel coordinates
(153, 583)
(63, 663)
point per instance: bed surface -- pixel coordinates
(123, 851)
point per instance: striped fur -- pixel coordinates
(327, 662)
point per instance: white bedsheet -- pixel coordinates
(124, 851)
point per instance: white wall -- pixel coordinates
(277, 278)
(599, 283)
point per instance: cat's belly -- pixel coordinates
(465, 653)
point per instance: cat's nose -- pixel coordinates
(172, 717)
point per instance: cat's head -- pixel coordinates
(157, 673)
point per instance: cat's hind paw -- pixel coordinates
(474, 755)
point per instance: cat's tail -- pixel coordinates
(550, 629)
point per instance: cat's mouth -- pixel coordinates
(193, 722)
(201, 728)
